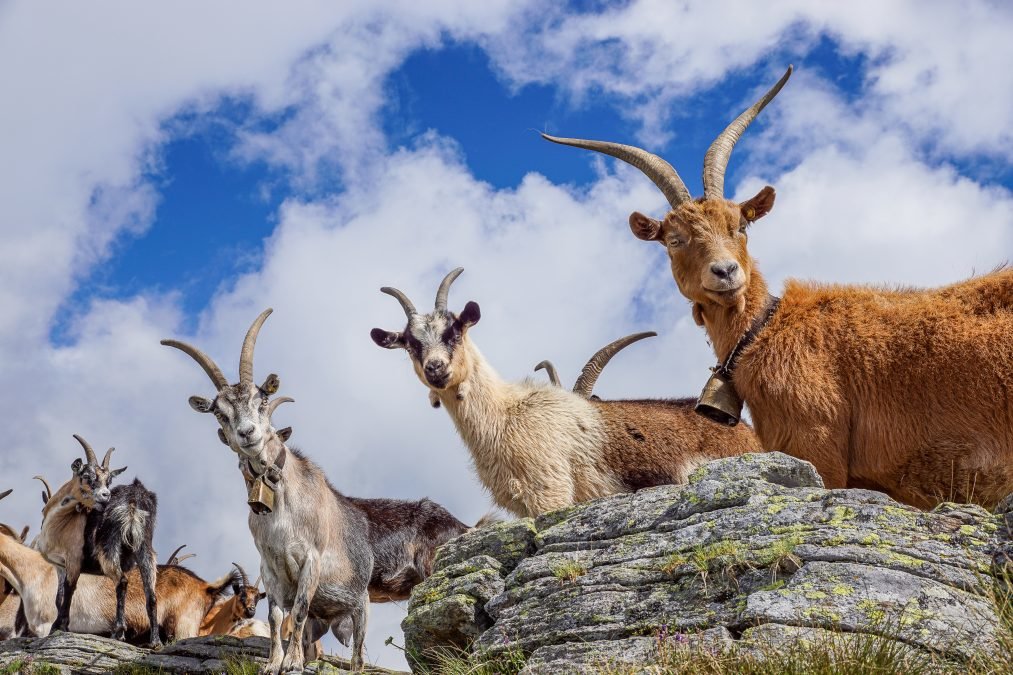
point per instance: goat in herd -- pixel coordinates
(905, 391)
(537, 447)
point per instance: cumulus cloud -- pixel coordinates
(554, 267)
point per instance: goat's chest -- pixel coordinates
(282, 548)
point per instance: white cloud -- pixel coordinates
(555, 269)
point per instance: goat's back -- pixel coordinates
(661, 441)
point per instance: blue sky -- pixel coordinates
(172, 170)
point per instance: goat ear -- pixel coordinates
(759, 206)
(116, 472)
(77, 466)
(470, 314)
(261, 596)
(387, 339)
(285, 434)
(645, 228)
(201, 405)
(271, 385)
(221, 437)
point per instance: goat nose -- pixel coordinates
(435, 367)
(724, 270)
(245, 430)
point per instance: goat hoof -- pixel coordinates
(157, 644)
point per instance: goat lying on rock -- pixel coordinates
(323, 555)
(537, 447)
(906, 391)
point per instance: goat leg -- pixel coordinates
(149, 573)
(360, 615)
(309, 578)
(120, 625)
(275, 617)
(69, 586)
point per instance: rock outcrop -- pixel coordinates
(752, 550)
(70, 653)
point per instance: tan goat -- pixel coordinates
(904, 391)
(29, 576)
(537, 447)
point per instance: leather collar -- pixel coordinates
(271, 473)
(762, 319)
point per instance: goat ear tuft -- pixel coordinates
(77, 466)
(221, 437)
(116, 472)
(759, 206)
(285, 434)
(644, 227)
(200, 404)
(271, 385)
(470, 314)
(387, 339)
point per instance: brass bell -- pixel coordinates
(719, 401)
(261, 497)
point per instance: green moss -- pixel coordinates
(871, 539)
(842, 590)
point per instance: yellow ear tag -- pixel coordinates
(750, 213)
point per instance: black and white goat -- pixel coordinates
(88, 527)
(323, 555)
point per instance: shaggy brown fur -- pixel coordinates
(906, 391)
(184, 603)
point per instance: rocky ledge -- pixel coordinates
(69, 653)
(753, 550)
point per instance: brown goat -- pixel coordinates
(904, 391)
(222, 618)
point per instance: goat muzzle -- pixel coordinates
(719, 401)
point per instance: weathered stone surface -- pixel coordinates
(752, 548)
(85, 654)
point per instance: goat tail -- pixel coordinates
(219, 587)
(133, 525)
(490, 518)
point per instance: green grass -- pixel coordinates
(569, 571)
(29, 667)
(235, 665)
(459, 662)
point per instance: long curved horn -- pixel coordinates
(406, 304)
(242, 573)
(5, 493)
(48, 494)
(273, 405)
(551, 370)
(88, 452)
(256, 584)
(444, 290)
(203, 360)
(658, 170)
(249, 344)
(589, 375)
(105, 460)
(171, 558)
(179, 560)
(716, 160)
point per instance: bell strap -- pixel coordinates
(762, 319)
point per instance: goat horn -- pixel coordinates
(406, 304)
(24, 533)
(180, 559)
(203, 360)
(444, 290)
(105, 460)
(88, 452)
(242, 573)
(48, 494)
(273, 405)
(716, 160)
(5, 493)
(249, 343)
(589, 375)
(551, 370)
(169, 560)
(256, 584)
(658, 170)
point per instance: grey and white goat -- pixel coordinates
(320, 550)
